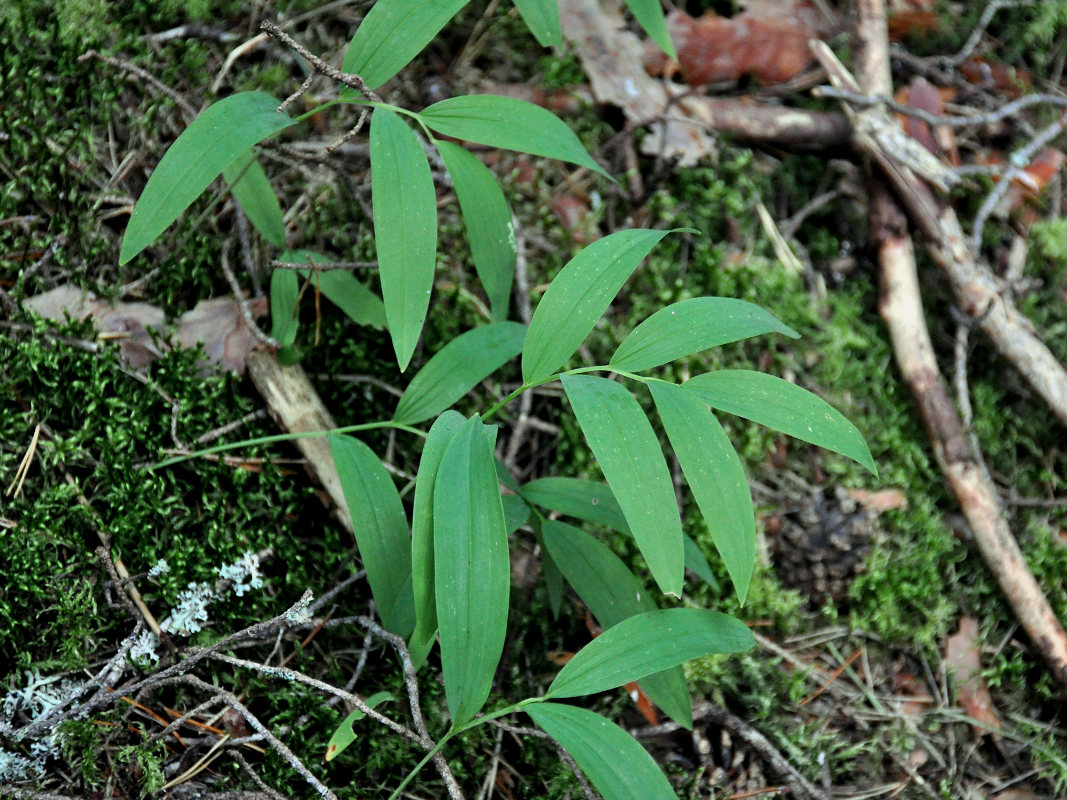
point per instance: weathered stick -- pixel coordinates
(901, 308)
(297, 408)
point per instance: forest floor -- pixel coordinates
(890, 661)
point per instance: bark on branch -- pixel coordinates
(901, 308)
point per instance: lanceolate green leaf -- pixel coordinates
(649, 15)
(457, 368)
(715, 475)
(381, 530)
(690, 326)
(441, 433)
(629, 455)
(516, 512)
(613, 594)
(393, 33)
(594, 502)
(405, 228)
(784, 407)
(508, 123)
(203, 150)
(488, 220)
(646, 644)
(542, 18)
(256, 197)
(340, 287)
(345, 734)
(591, 501)
(284, 290)
(578, 297)
(614, 762)
(471, 569)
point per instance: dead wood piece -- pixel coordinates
(773, 125)
(976, 290)
(901, 308)
(297, 408)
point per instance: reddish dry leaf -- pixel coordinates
(912, 23)
(644, 705)
(964, 666)
(714, 49)
(1002, 78)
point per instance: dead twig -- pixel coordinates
(757, 741)
(901, 308)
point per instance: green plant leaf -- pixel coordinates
(508, 123)
(647, 644)
(593, 501)
(715, 476)
(613, 594)
(542, 18)
(784, 407)
(649, 15)
(488, 221)
(345, 734)
(341, 288)
(578, 296)
(381, 530)
(550, 571)
(691, 326)
(457, 368)
(441, 433)
(586, 500)
(630, 457)
(516, 512)
(224, 131)
(471, 569)
(698, 563)
(256, 197)
(284, 290)
(405, 228)
(619, 767)
(393, 33)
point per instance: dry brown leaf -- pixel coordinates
(219, 326)
(770, 47)
(963, 664)
(217, 323)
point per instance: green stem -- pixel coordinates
(285, 437)
(577, 371)
(425, 760)
(474, 723)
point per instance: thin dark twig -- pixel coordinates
(292, 675)
(412, 682)
(324, 266)
(318, 65)
(979, 29)
(276, 744)
(238, 294)
(756, 740)
(958, 121)
(188, 112)
(111, 696)
(1021, 156)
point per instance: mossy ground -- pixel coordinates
(70, 123)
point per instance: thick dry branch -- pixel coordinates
(770, 124)
(975, 289)
(901, 308)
